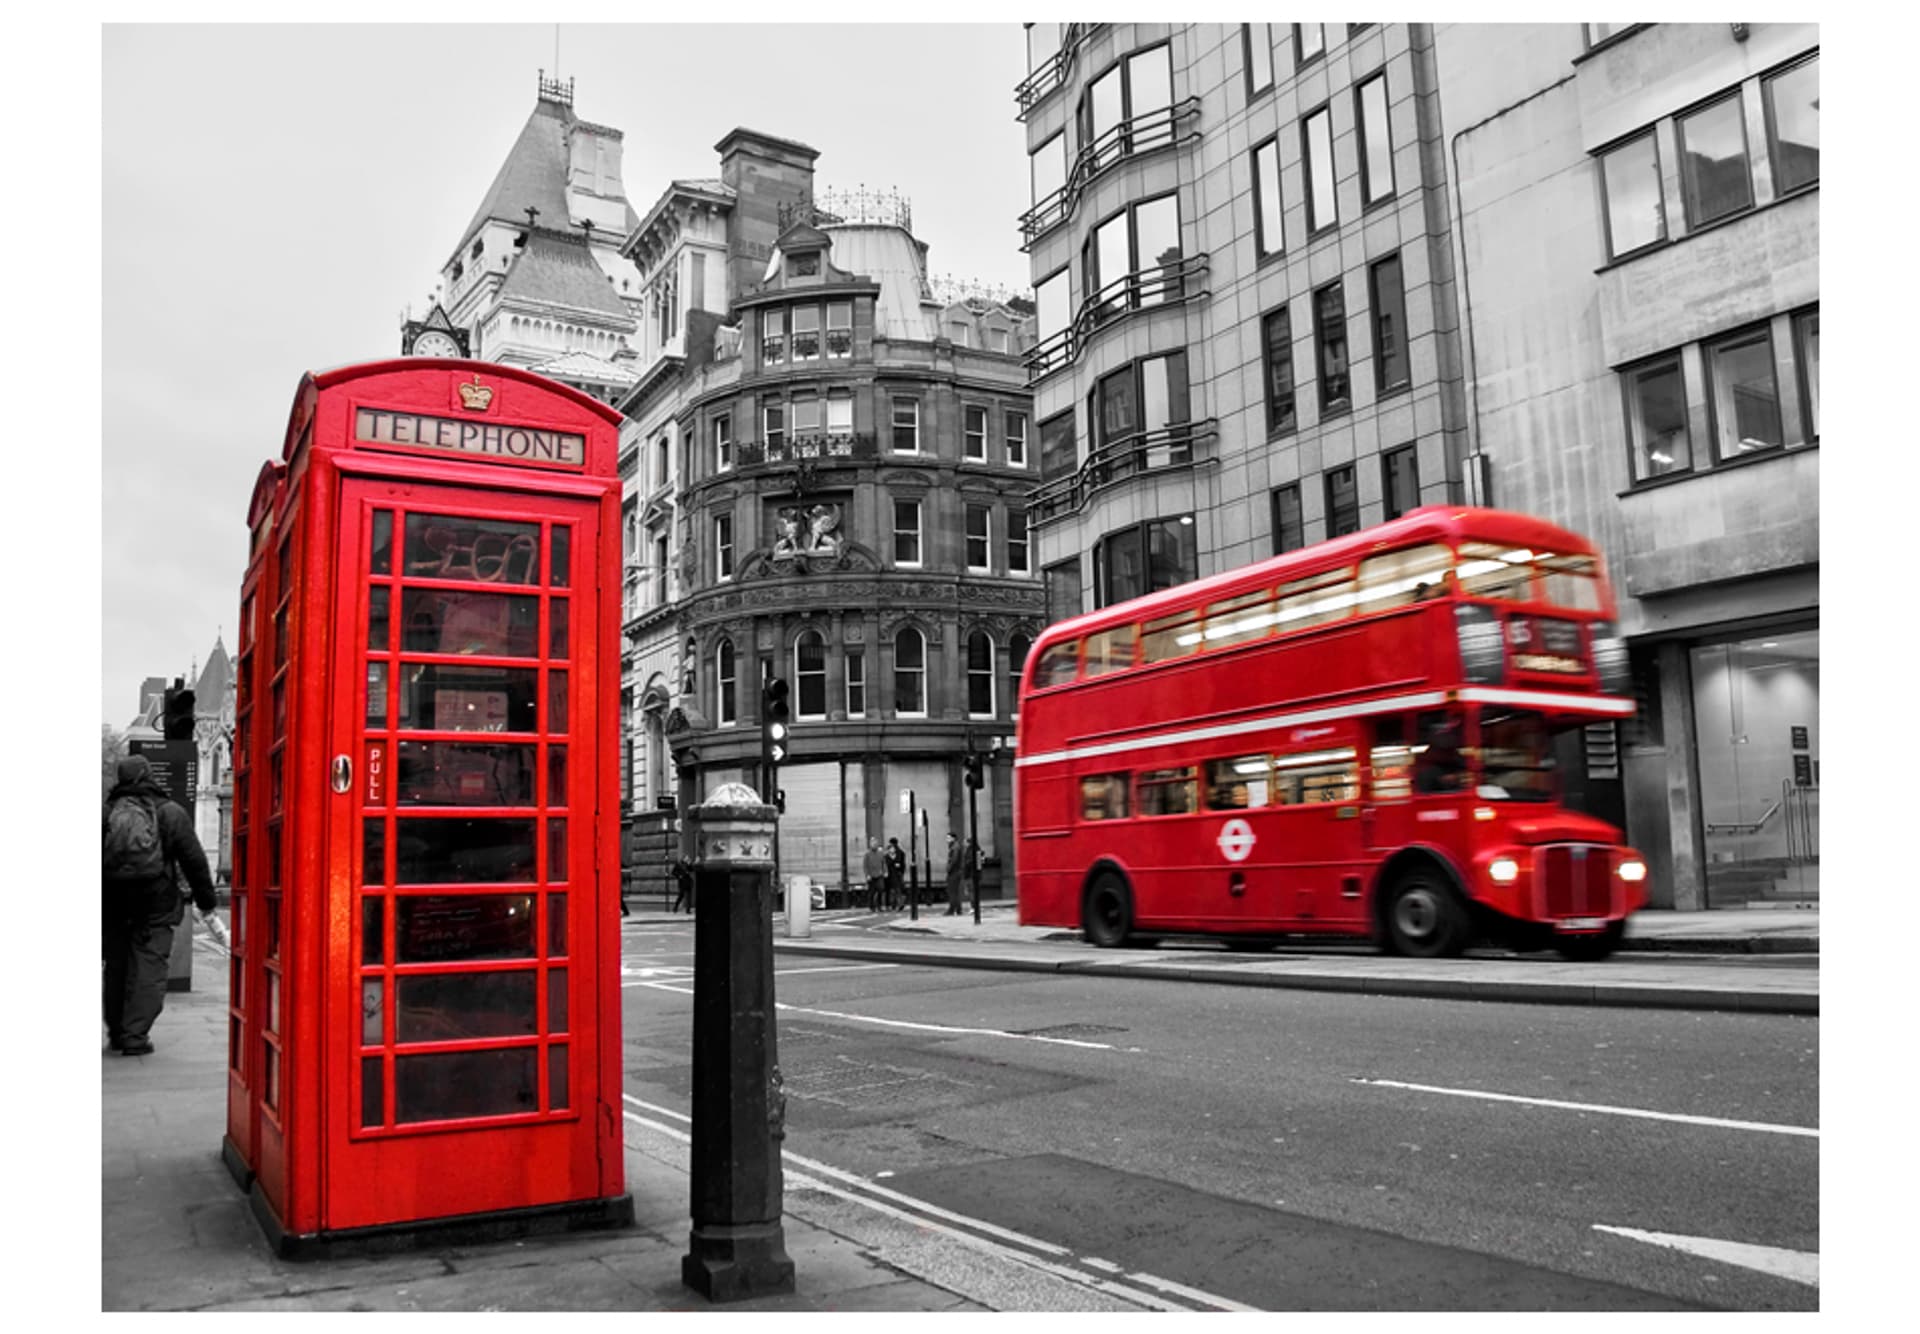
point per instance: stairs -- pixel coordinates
(1765, 882)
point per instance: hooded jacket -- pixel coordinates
(177, 839)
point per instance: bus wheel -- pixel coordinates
(1424, 920)
(1593, 948)
(1106, 915)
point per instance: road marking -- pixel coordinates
(946, 1028)
(1722, 1123)
(1006, 1243)
(832, 968)
(1800, 1266)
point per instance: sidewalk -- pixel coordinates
(177, 1233)
(1662, 962)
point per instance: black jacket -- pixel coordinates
(177, 839)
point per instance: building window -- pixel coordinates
(856, 685)
(1806, 340)
(840, 412)
(979, 524)
(910, 673)
(1388, 298)
(1399, 481)
(906, 532)
(806, 333)
(806, 416)
(1793, 126)
(1062, 581)
(957, 334)
(906, 426)
(810, 675)
(1016, 439)
(839, 330)
(1635, 216)
(1268, 236)
(1059, 450)
(1289, 526)
(979, 675)
(1018, 646)
(1376, 140)
(974, 432)
(1017, 552)
(806, 264)
(1133, 258)
(1143, 402)
(723, 442)
(1330, 339)
(661, 566)
(662, 460)
(773, 425)
(1316, 143)
(1657, 418)
(1047, 169)
(1343, 502)
(723, 676)
(1053, 315)
(1714, 180)
(723, 546)
(1144, 557)
(1309, 42)
(1743, 394)
(773, 337)
(1257, 39)
(1276, 342)
(1116, 116)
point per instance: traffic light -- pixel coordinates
(973, 767)
(773, 720)
(780, 800)
(176, 716)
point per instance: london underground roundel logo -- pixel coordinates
(1236, 840)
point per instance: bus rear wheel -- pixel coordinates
(1106, 914)
(1593, 948)
(1424, 919)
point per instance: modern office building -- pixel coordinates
(1294, 279)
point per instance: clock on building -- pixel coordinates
(433, 343)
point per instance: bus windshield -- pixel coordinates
(1515, 759)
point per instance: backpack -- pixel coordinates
(133, 850)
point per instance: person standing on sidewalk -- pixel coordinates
(956, 875)
(145, 840)
(873, 865)
(896, 858)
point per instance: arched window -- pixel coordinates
(910, 673)
(1018, 646)
(810, 674)
(979, 675)
(723, 674)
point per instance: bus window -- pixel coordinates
(1168, 792)
(1321, 775)
(1237, 620)
(1238, 784)
(1058, 665)
(1172, 636)
(1392, 759)
(1516, 756)
(1103, 797)
(1572, 582)
(1490, 571)
(1397, 578)
(1110, 650)
(1317, 598)
(1438, 765)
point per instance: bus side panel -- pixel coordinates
(1049, 882)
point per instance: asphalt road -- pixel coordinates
(1194, 1146)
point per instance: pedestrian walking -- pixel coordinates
(873, 865)
(683, 883)
(896, 874)
(146, 841)
(956, 874)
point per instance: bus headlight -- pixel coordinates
(1503, 870)
(1633, 869)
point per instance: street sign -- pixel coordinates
(176, 767)
(1236, 840)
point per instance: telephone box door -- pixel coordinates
(464, 915)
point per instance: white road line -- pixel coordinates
(946, 1028)
(1004, 1242)
(1800, 1266)
(832, 968)
(1722, 1123)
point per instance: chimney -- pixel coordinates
(764, 173)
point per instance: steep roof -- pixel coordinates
(557, 269)
(211, 688)
(534, 174)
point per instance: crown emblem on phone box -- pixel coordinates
(475, 396)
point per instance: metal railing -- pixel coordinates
(1149, 451)
(1053, 71)
(1802, 805)
(1159, 128)
(814, 445)
(1169, 284)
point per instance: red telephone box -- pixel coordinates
(424, 1034)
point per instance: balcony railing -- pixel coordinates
(1160, 128)
(1150, 451)
(1163, 285)
(814, 445)
(1053, 71)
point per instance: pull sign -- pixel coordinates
(342, 773)
(376, 774)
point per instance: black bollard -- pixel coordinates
(737, 1248)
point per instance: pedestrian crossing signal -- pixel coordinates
(773, 720)
(973, 768)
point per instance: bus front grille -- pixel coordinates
(1575, 880)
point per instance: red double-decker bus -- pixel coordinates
(1352, 739)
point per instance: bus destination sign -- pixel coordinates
(490, 440)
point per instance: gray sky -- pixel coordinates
(273, 198)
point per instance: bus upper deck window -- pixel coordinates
(1237, 620)
(1172, 636)
(1110, 650)
(1489, 570)
(1572, 582)
(1396, 578)
(1059, 663)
